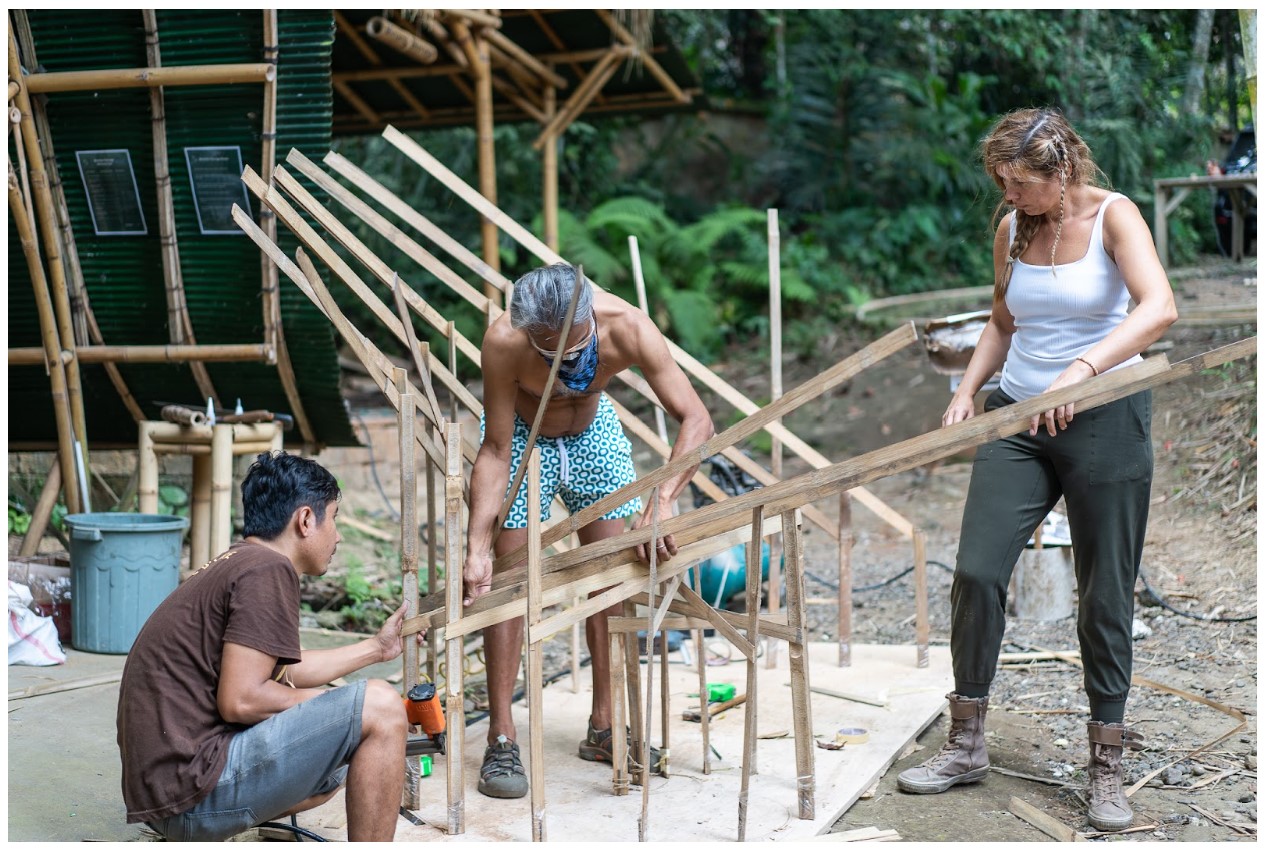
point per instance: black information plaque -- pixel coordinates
(215, 174)
(113, 198)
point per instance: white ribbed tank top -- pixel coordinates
(1058, 317)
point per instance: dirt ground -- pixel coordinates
(1195, 608)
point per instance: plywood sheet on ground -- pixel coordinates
(690, 805)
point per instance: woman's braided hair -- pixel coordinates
(1042, 144)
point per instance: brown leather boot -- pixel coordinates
(962, 759)
(1108, 807)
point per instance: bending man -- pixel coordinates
(584, 458)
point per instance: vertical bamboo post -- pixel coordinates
(665, 697)
(452, 369)
(921, 595)
(619, 746)
(633, 683)
(454, 653)
(772, 645)
(644, 754)
(702, 664)
(845, 593)
(406, 423)
(43, 511)
(179, 323)
(52, 345)
(798, 661)
(549, 174)
(271, 302)
(221, 488)
(753, 638)
(200, 512)
(432, 572)
(487, 158)
(147, 470)
(535, 659)
(57, 277)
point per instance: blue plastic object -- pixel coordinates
(122, 566)
(723, 575)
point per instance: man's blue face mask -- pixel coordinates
(578, 365)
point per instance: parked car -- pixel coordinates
(1241, 158)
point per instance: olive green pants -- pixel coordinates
(1102, 466)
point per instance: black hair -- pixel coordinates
(276, 485)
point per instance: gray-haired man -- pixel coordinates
(584, 457)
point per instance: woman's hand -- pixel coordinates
(961, 407)
(1061, 416)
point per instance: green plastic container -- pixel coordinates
(122, 566)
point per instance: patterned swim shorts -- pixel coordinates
(582, 470)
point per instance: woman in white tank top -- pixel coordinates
(1069, 257)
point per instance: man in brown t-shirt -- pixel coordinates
(223, 721)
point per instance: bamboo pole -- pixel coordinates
(775, 389)
(57, 288)
(798, 663)
(52, 343)
(535, 659)
(487, 159)
(921, 597)
(159, 353)
(432, 564)
(454, 654)
(543, 72)
(753, 639)
(42, 511)
(701, 665)
(657, 71)
(418, 351)
(619, 747)
(411, 797)
(401, 40)
(147, 472)
(586, 91)
(845, 611)
(221, 488)
(633, 681)
(200, 513)
(549, 173)
(643, 825)
(462, 16)
(179, 323)
(139, 78)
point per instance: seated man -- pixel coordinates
(584, 458)
(222, 721)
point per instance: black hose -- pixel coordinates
(833, 586)
(1168, 607)
(294, 828)
(373, 469)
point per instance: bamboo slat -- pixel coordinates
(753, 638)
(798, 663)
(535, 658)
(454, 654)
(160, 353)
(406, 421)
(526, 60)
(586, 91)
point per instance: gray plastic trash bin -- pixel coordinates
(122, 566)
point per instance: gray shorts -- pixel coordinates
(274, 765)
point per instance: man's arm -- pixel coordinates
(247, 693)
(491, 472)
(682, 403)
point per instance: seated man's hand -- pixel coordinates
(388, 637)
(665, 547)
(476, 577)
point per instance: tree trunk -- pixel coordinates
(1199, 58)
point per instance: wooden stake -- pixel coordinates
(845, 613)
(454, 654)
(555, 365)
(535, 664)
(921, 597)
(753, 639)
(661, 426)
(798, 662)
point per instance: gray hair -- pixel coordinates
(539, 300)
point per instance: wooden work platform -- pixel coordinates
(689, 805)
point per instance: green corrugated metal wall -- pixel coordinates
(124, 275)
